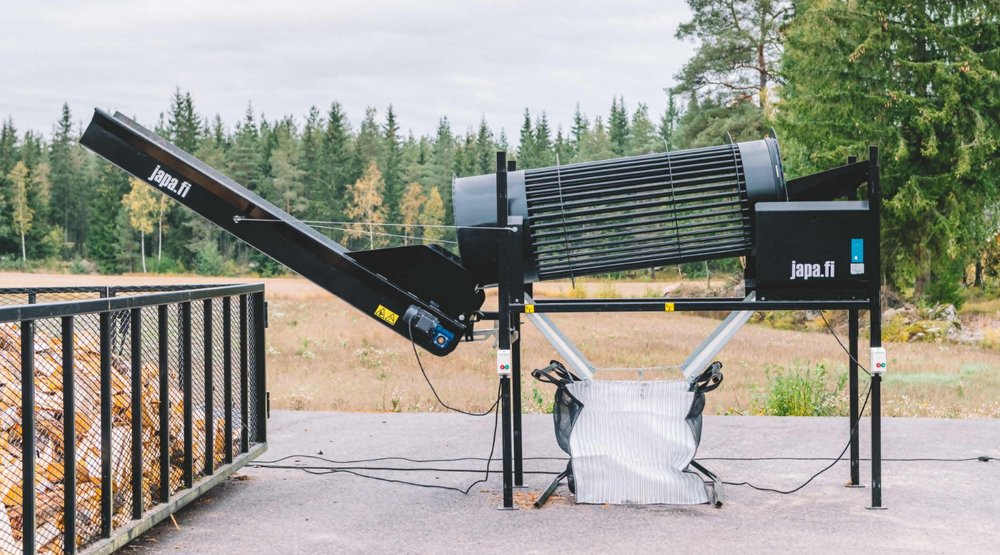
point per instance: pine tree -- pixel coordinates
(618, 128)
(644, 137)
(365, 206)
(920, 80)
(739, 49)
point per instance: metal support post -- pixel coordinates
(503, 327)
(516, 290)
(875, 315)
(852, 342)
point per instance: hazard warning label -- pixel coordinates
(387, 315)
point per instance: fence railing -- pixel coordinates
(119, 405)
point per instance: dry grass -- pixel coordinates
(324, 355)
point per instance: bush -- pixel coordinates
(799, 391)
(208, 262)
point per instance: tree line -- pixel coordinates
(918, 79)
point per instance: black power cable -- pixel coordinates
(434, 391)
(814, 476)
(328, 470)
(846, 350)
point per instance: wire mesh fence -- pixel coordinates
(140, 397)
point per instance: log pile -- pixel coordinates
(50, 432)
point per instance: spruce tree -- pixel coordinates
(544, 155)
(485, 149)
(70, 207)
(335, 167)
(581, 127)
(526, 151)
(183, 126)
(668, 123)
(644, 137)
(393, 163)
(618, 128)
(919, 79)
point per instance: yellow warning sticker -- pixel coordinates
(669, 307)
(387, 315)
(529, 309)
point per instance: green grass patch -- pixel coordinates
(800, 390)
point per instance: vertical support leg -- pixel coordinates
(135, 322)
(107, 495)
(28, 437)
(163, 334)
(516, 263)
(209, 415)
(875, 314)
(188, 469)
(852, 343)
(260, 434)
(227, 374)
(244, 377)
(69, 437)
(503, 326)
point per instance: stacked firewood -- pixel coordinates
(49, 436)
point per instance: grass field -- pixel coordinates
(324, 355)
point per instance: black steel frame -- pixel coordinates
(106, 307)
(511, 287)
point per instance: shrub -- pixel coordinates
(607, 290)
(799, 391)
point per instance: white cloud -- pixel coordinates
(429, 58)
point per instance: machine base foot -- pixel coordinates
(877, 508)
(502, 508)
(855, 486)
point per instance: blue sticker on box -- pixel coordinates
(857, 250)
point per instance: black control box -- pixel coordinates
(813, 250)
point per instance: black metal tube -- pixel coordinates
(28, 436)
(875, 314)
(244, 378)
(227, 373)
(854, 423)
(503, 327)
(260, 434)
(107, 497)
(209, 391)
(135, 321)
(188, 469)
(69, 436)
(164, 408)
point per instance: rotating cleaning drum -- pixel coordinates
(623, 214)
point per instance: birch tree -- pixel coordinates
(364, 206)
(142, 209)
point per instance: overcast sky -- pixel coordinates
(428, 58)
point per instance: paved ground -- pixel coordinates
(934, 507)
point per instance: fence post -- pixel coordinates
(69, 437)
(163, 326)
(107, 495)
(244, 377)
(186, 379)
(135, 321)
(227, 373)
(259, 365)
(209, 416)
(28, 436)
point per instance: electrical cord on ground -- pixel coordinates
(405, 459)
(321, 471)
(434, 391)
(333, 469)
(814, 476)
